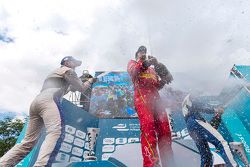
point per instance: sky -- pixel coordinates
(199, 41)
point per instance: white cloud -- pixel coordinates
(43, 32)
(201, 38)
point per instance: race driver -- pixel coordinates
(154, 124)
(46, 110)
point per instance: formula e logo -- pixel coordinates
(108, 140)
(121, 127)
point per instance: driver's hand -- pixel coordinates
(92, 80)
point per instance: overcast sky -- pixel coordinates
(200, 40)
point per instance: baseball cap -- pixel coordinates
(71, 58)
(142, 49)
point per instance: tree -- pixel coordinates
(10, 129)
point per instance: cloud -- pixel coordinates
(200, 39)
(44, 32)
(195, 38)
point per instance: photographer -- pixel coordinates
(85, 96)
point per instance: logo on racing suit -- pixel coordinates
(148, 76)
(148, 154)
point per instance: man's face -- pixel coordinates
(141, 55)
(71, 64)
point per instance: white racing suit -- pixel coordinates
(46, 110)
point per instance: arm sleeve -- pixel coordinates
(216, 121)
(75, 83)
(134, 68)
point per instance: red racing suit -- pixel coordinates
(154, 124)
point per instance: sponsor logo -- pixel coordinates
(75, 159)
(122, 130)
(108, 148)
(78, 142)
(134, 126)
(108, 140)
(62, 157)
(80, 134)
(66, 147)
(121, 127)
(77, 151)
(68, 138)
(70, 129)
(106, 156)
(121, 141)
(246, 146)
(133, 140)
(184, 132)
(86, 146)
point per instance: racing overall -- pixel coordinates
(202, 132)
(46, 110)
(154, 124)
